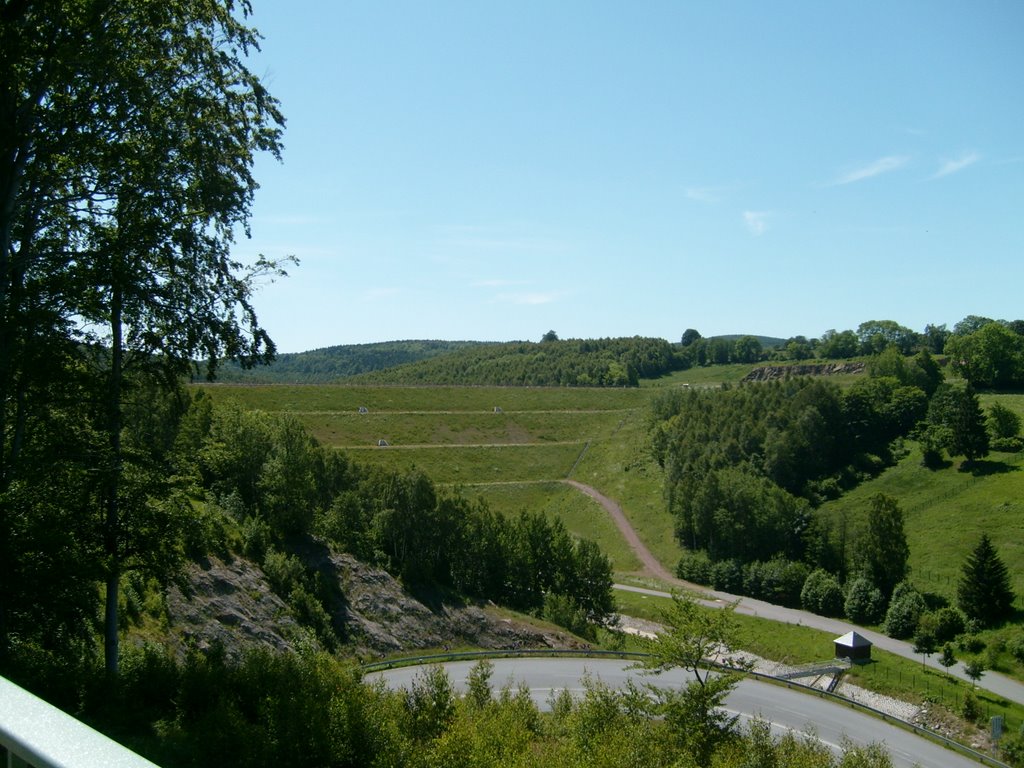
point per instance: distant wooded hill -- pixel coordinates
(567, 362)
(332, 363)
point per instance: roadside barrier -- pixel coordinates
(442, 658)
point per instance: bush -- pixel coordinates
(822, 594)
(695, 567)
(284, 572)
(970, 710)
(206, 533)
(1007, 444)
(903, 615)
(727, 576)
(565, 612)
(776, 581)
(970, 643)
(1015, 645)
(864, 602)
(256, 538)
(948, 623)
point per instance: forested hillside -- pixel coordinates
(747, 468)
(551, 363)
(333, 363)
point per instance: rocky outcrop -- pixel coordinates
(231, 605)
(773, 372)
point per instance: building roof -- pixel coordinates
(853, 640)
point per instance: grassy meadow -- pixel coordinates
(510, 446)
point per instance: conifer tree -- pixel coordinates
(984, 591)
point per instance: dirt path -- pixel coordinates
(1001, 685)
(650, 563)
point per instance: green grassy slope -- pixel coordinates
(598, 436)
(947, 510)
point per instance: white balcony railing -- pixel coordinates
(38, 735)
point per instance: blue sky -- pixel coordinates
(490, 171)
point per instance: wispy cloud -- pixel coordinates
(756, 221)
(956, 164)
(877, 168)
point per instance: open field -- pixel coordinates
(947, 510)
(340, 398)
(583, 517)
(599, 437)
(458, 465)
(419, 428)
(512, 458)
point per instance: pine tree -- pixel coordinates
(984, 592)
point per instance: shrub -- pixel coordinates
(566, 612)
(970, 710)
(727, 576)
(256, 538)
(695, 567)
(1015, 645)
(864, 602)
(284, 572)
(970, 643)
(777, 581)
(903, 615)
(822, 594)
(949, 622)
(1007, 444)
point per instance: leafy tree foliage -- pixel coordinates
(905, 611)
(743, 466)
(925, 643)
(690, 335)
(864, 602)
(838, 345)
(330, 364)
(877, 335)
(822, 594)
(1002, 422)
(881, 549)
(557, 363)
(984, 593)
(955, 416)
(989, 356)
(125, 168)
(934, 337)
(693, 637)
(948, 657)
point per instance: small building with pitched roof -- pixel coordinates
(853, 646)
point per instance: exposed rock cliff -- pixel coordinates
(771, 372)
(231, 604)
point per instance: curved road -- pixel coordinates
(994, 682)
(786, 709)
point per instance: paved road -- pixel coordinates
(785, 708)
(994, 682)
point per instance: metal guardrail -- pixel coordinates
(35, 734)
(938, 738)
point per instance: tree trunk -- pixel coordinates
(112, 521)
